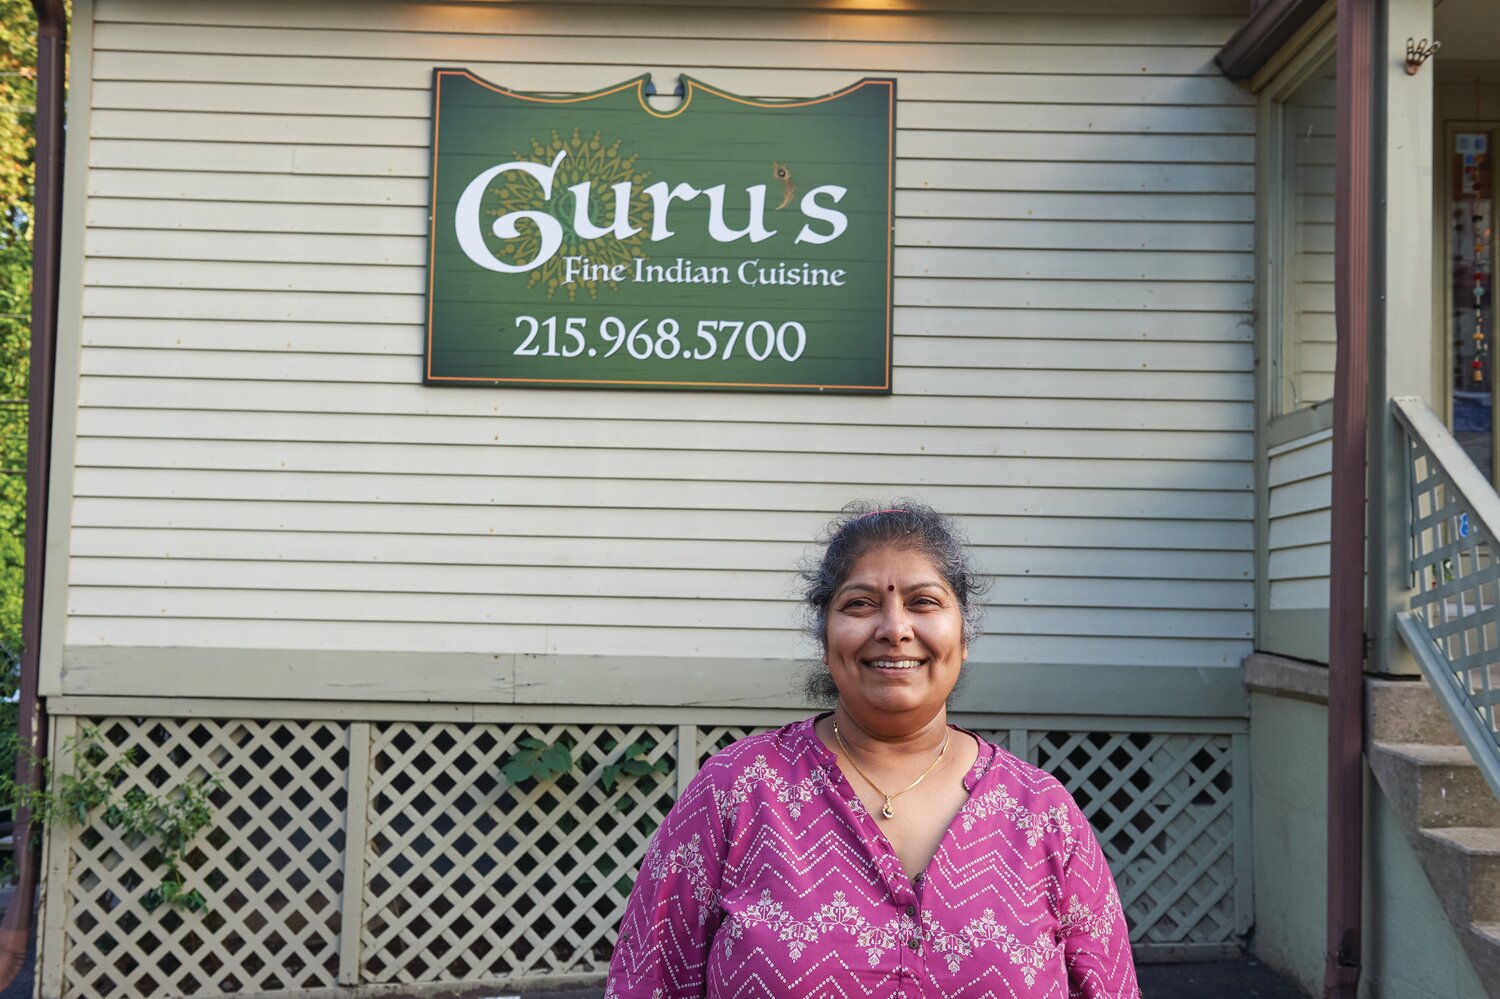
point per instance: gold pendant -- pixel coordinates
(886, 811)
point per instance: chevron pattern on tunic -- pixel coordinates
(769, 879)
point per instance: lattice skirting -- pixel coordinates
(351, 853)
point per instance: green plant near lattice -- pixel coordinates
(538, 760)
(170, 822)
(164, 824)
(632, 763)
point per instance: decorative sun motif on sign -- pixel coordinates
(602, 165)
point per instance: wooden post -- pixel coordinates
(352, 924)
(1401, 320)
(1353, 252)
(52, 944)
(687, 756)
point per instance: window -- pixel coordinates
(1303, 346)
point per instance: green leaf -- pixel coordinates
(607, 777)
(516, 771)
(532, 743)
(636, 768)
(558, 758)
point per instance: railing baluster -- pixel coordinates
(1453, 623)
(1413, 500)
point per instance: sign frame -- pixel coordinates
(691, 88)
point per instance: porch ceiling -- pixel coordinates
(1468, 29)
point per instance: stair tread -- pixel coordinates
(1427, 753)
(1470, 839)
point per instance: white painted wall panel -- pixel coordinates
(258, 464)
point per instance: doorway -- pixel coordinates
(1469, 284)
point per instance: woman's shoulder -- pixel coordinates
(1022, 776)
(784, 751)
(1020, 794)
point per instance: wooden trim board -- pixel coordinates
(465, 679)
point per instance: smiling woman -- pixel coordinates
(876, 849)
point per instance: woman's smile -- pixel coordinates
(895, 664)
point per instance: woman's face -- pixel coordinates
(895, 641)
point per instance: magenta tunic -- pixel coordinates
(769, 878)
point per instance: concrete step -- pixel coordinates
(1463, 865)
(1452, 819)
(1404, 711)
(1432, 786)
(1482, 944)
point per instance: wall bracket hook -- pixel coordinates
(1419, 52)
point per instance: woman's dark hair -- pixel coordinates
(863, 527)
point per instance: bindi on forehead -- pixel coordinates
(891, 587)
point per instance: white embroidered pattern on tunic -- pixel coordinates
(985, 930)
(1054, 820)
(793, 796)
(874, 939)
(687, 859)
(1097, 925)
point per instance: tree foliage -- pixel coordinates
(17, 172)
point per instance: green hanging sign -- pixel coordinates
(595, 242)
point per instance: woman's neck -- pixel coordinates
(922, 740)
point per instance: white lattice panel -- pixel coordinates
(1000, 737)
(714, 738)
(467, 877)
(470, 877)
(270, 865)
(1162, 807)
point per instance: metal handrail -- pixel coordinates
(1453, 624)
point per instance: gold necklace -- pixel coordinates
(886, 811)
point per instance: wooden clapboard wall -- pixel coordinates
(257, 465)
(1299, 497)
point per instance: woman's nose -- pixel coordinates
(895, 623)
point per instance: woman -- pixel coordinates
(877, 850)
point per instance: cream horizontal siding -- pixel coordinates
(1300, 481)
(258, 465)
(375, 548)
(171, 391)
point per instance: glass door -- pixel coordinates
(1471, 319)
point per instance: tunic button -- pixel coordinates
(911, 911)
(914, 943)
